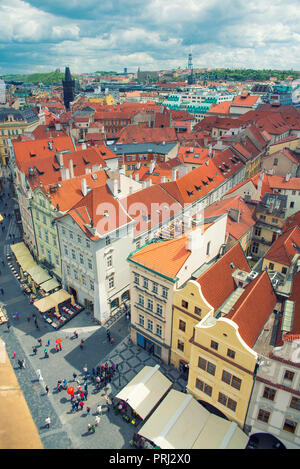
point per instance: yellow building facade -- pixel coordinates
(12, 125)
(221, 367)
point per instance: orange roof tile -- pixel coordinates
(69, 193)
(221, 108)
(163, 257)
(217, 282)
(279, 182)
(234, 228)
(102, 209)
(195, 184)
(244, 99)
(253, 308)
(285, 247)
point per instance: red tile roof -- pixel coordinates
(279, 182)
(217, 282)
(150, 207)
(100, 207)
(25, 150)
(135, 133)
(68, 193)
(195, 184)
(253, 308)
(164, 257)
(245, 99)
(236, 229)
(293, 220)
(285, 247)
(221, 108)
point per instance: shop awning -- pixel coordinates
(145, 390)
(49, 285)
(38, 274)
(53, 300)
(180, 422)
(23, 256)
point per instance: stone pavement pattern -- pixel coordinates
(69, 430)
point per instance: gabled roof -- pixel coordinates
(285, 247)
(245, 99)
(150, 207)
(279, 182)
(39, 148)
(253, 308)
(135, 133)
(101, 209)
(235, 228)
(221, 108)
(163, 257)
(293, 220)
(195, 184)
(217, 282)
(69, 192)
(46, 170)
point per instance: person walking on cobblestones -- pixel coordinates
(47, 389)
(88, 410)
(48, 421)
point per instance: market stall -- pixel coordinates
(144, 391)
(180, 422)
(53, 301)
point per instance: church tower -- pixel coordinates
(68, 88)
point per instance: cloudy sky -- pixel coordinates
(90, 35)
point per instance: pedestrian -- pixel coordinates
(34, 350)
(97, 420)
(23, 363)
(75, 334)
(85, 370)
(47, 389)
(39, 375)
(48, 421)
(14, 356)
(46, 355)
(48, 343)
(76, 405)
(91, 428)
(40, 341)
(108, 335)
(74, 376)
(85, 395)
(8, 325)
(81, 344)
(85, 386)
(36, 324)
(88, 410)
(57, 348)
(60, 348)
(2, 291)
(28, 318)
(81, 395)
(81, 403)
(99, 409)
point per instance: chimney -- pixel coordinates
(137, 177)
(194, 240)
(60, 157)
(152, 166)
(235, 214)
(84, 147)
(83, 187)
(112, 184)
(149, 182)
(288, 177)
(71, 169)
(259, 185)
(65, 174)
(163, 179)
(174, 174)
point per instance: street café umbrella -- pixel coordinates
(70, 390)
(58, 341)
